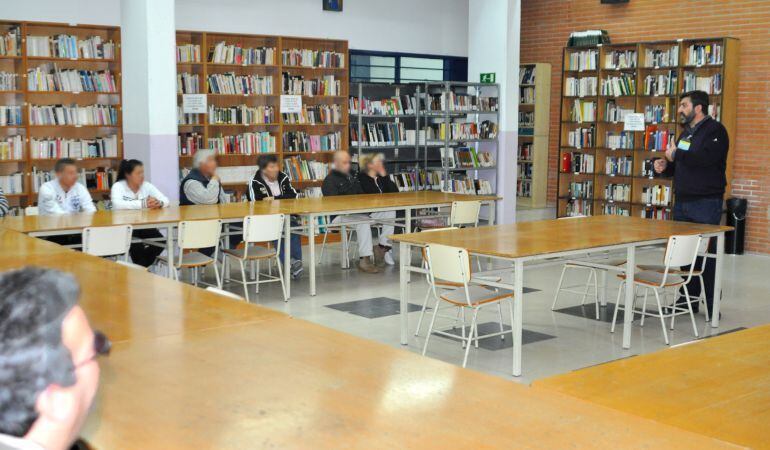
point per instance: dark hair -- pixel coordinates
(32, 354)
(697, 98)
(126, 167)
(266, 159)
(62, 163)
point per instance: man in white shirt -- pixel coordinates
(64, 195)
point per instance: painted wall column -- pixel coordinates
(148, 43)
(493, 46)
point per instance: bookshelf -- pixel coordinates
(534, 118)
(248, 74)
(606, 170)
(43, 68)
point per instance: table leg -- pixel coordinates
(170, 249)
(492, 213)
(518, 309)
(408, 229)
(287, 255)
(603, 290)
(403, 269)
(628, 312)
(344, 251)
(311, 244)
(719, 263)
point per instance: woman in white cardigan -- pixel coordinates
(131, 191)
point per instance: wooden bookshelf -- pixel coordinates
(20, 65)
(532, 173)
(275, 70)
(661, 61)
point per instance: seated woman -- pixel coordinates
(131, 191)
(374, 179)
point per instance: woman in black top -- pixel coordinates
(373, 177)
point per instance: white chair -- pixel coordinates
(225, 293)
(452, 264)
(114, 241)
(462, 214)
(263, 230)
(194, 235)
(31, 211)
(132, 265)
(680, 251)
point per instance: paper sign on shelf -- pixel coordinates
(633, 122)
(291, 104)
(194, 103)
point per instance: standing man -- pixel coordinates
(64, 195)
(698, 161)
(201, 186)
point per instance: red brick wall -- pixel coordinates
(546, 24)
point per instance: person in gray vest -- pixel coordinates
(202, 186)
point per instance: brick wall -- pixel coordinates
(546, 24)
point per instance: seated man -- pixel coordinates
(374, 179)
(201, 186)
(270, 183)
(48, 369)
(64, 195)
(341, 182)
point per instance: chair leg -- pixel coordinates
(591, 273)
(280, 276)
(660, 315)
(500, 313)
(323, 246)
(218, 277)
(430, 327)
(244, 279)
(462, 330)
(422, 312)
(617, 306)
(644, 308)
(256, 274)
(702, 298)
(596, 294)
(558, 287)
(470, 336)
(689, 307)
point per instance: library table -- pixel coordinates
(718, 387)
(527, 242)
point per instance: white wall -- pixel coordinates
(414, 26)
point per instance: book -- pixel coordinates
(299, 169)
(300, 141)
(658, 58)
(243, 144)
(10, 42)
(298, 85)
(223, 53)
(188, 53)
(188, 143)
(11, 147)
(73, 115)
(67, 46)
(9, 81)
(312, 58)
(315, 115)
(241, 115)
(49, 78)
(231, 84)
(580, 87)
(620, 59)
(55, 148)
(188, 83)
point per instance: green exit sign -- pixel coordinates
(488, 77)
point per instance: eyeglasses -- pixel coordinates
(102, 347)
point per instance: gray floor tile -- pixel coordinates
(373, 308)
(494, 342)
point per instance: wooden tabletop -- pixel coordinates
(524, 239)
(322, 205)
(718, 387)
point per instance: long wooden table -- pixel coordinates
(527, 242)
(718, 387)
(192, 369)
(231, 213)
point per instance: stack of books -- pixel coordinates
(300, 141)
(188, 53)
(73, 115)
(241, 115)
(315, 115)
(312, 58)
(393, 106)
(55, 148)
(232, 84)
(221, 53)
(243, 144)
(298, 85)
(299, 169)
(49, 78)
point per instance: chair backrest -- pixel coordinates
(449, 263)
(195, 234)
(107, 241)
(224, 293)
(681, 250)
(31, 211)
(265, 228)
(431, 230)
(465, 213)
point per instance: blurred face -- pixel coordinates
(68, 176)
(686, 111)
(378, 166)
(136, 177)
(342, 162)
(270, 171)
(209, 166)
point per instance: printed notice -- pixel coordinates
(634, 122)
(194, 103)
(291, 104)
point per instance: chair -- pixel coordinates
(680, 251)
(225, 293)
(453, 265)
(462, 214)
(31, 211)
(195, 235)
(264, 229)
(132, 265)
(114, 241)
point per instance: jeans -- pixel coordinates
(706, 211)
(295, 252)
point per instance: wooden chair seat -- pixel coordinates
(449, 284)
(255, 252)
(590, 263)
(479, 295)
(659, 268)
(192, 259)
(654, 279)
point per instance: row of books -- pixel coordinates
(525, 151)
(314, 115)
(657, 113)
(619, 165)
(298, 85)
(576, 162)
(468, 185)
(188, 83)
(622, 139)
(241, 114)
(582, 111)
(8, 81)
(648, 168)
(454, 101)
(660, 84)
(612, 209)
(583, 60)
(524, 171)
(10, 42)
(657, 139)
(614, 112)
(11, 147)
(657, 57)
(243, 144)
(657, 213)
(230, 83)
(55, 148)
(577, 207)
(50, 78)
(582, 137)
(13, 183)
(187, 53)
(581, 189)
(526, 119)
(461, 131)
(299, 169)
(10, 115)
(312, 58)
(470, 158)
(300, 141)
(620, 59)
(393, 106)
(183, 118)
(615, 86)
(580, 87)
(73, 115)
(222, 53)
(523, 188)
(527, 95)
(417, 180)
(188, 143)
(617, 192)
(708, 84)
(527, 75)
(70, 47)
(701, 54)
(658, 195)
(374, 134)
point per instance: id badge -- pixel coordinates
(683, 144)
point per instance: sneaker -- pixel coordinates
(296, 269)
(365, 265)
(379, 255)
(388, 258)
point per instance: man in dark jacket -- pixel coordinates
(697, 161)
(341, 182)
(269, 183)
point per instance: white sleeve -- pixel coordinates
(155, 192)
(46, 201)
(118, 202)
(86, 202)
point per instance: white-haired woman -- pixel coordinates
(201, 186)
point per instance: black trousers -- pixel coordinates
(145, 254)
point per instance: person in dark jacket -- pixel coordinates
(269, 183)
(698, 161)
(374, 179)
(201, 186)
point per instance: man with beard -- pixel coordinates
(697, 161)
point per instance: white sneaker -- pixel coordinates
(388, 258)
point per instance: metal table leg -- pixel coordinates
(403, 280)
(718, 266)
(311, 244)
(518, 320)
(628, 312)
(287, 255)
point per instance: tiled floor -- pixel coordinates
(366, 305)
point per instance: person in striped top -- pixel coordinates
(3, 204)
